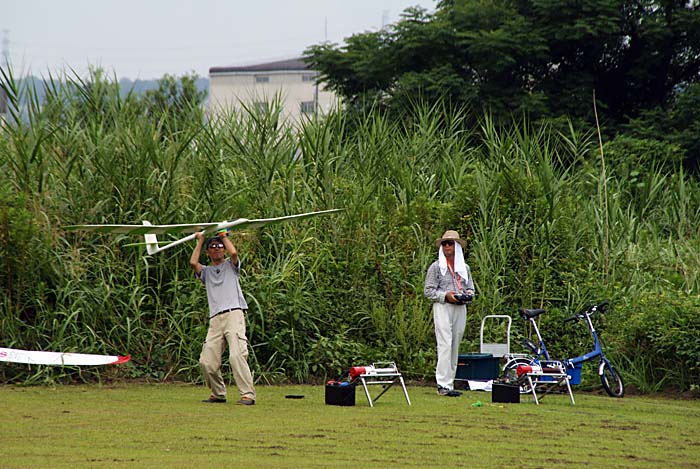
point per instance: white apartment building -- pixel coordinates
(258, 85)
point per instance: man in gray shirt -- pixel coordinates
(227, 308)
(449, 285)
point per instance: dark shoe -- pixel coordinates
(246, 401)
(215, 400)
(448, 392)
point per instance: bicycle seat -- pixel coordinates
(530, 313)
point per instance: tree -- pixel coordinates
(176, 103)
(541, 57)
(676, 124)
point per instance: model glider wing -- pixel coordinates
(244, 223)
(145, 228)
(33, 357)
(150, 231)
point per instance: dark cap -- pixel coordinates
(212, 239)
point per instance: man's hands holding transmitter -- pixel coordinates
(459, 298)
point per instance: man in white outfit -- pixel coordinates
(449, 285)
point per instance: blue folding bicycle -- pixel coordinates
(609, 377)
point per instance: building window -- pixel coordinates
(262, 79)
(308, 107)
(308, 77)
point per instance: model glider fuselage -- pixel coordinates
(150, 231)
(34, 357)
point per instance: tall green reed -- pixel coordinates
(324, 292)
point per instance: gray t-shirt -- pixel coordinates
(223, 287)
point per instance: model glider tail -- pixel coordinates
(33, 357)
(151, 240)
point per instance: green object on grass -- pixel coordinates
(477, 404)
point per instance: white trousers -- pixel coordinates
(450, 321)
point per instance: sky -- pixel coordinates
(146, 39)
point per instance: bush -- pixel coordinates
(661, 338)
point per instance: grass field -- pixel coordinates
(130, 425)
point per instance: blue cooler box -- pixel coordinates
(477, 367)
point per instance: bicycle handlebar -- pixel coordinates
(600, 308)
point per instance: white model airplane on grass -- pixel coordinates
(150, 231)
(33, 357)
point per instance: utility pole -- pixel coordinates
(316, 97)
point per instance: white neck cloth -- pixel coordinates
(459, 264)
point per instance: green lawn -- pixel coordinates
(167, 425)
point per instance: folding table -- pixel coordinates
(544, 379)
(384, 373)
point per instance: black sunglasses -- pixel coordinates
(216, 245)
(448, 243)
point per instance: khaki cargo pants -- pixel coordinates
(226, 328)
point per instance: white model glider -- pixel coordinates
(33, 357)
(150, 231)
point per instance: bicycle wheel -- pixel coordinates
(612, 381)
(510, 372)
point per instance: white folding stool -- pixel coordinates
(384, 373)
(550, 376)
